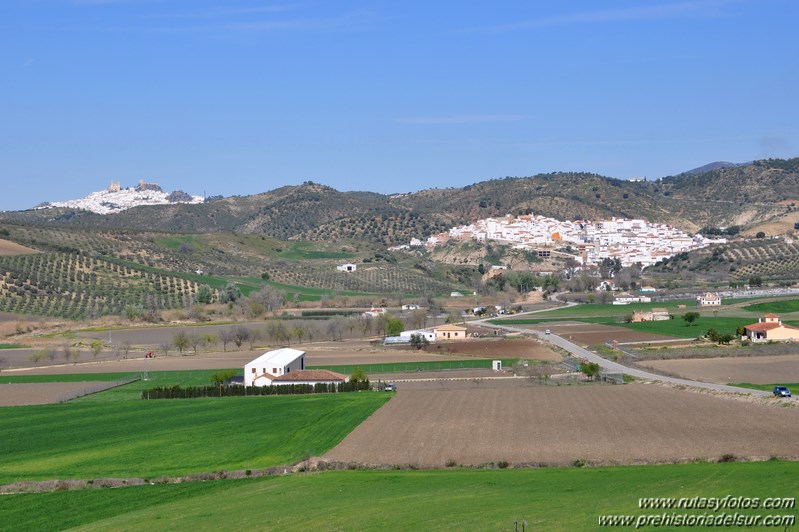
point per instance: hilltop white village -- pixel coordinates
(631, 241)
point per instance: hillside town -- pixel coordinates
(116, 198)
(631, 241)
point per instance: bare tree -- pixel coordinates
(417, 318)
(240, 335)
(66, 349)
(195, 341)
(36, 357)
(165, 347)
(126, 347)
(310, 330)
(270, 298)
(277, 332)
(336, 326)
(226, 336)
(255, 335)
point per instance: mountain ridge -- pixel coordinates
(739, 195)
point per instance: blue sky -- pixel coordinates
(243, 96)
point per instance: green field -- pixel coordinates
(793, 386)
(546, 499)
(12, 346)
(782, 306)
(98, 437)
(306, 251)
(676, 327)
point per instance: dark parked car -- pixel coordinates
(782, 391)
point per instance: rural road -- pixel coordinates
(615, 367)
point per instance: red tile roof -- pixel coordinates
(763, 326)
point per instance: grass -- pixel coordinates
(136, 438)
(12, 346)
(248, 284)
(305, 251)
(676, 327)
(406, 367)
(451, 499)
(767, 387)
(784, 306)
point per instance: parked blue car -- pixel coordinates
(782, 391)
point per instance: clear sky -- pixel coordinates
(244, 96)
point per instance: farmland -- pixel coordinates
(135, 438)
(551, 499)
(522, 423)
(76, 286)
(761, 369)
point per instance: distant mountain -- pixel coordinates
(748, 195)
(714, 166)
(117, 199)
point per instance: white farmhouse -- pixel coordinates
(708, 300)
(267, 367)
(424, 333)
(349, 267)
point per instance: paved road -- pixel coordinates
(615, 367)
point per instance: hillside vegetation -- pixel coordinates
(740, 195)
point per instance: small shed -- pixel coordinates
(496, 365)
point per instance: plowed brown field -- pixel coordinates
(595, 333)
(755, 370)
(635, 423)
(10, 249)
(47, 392)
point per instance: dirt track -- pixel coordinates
(754, 370)
(638, 423)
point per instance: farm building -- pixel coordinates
(450, 332)
(267, 367)
(708, 300)
(656, 314)
(626, 299)
(430, 335)
(310, 376)
(347, 267)
(374, 312)
(770, 328)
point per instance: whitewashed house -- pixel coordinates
(708, 300)
(347, 267)
(273, 364)
(424, 333)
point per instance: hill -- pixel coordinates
(716, 195)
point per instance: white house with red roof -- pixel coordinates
(272, 365)
(770, 328)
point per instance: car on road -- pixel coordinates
(546, 331)
(782, 391)
(390, 387)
